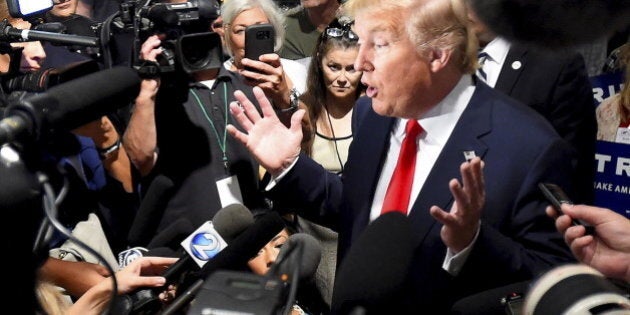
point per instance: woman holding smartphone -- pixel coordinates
(282, 80)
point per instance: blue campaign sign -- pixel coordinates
(612, 177)
(606, 85)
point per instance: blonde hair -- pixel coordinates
(51, 301)
(433, 25)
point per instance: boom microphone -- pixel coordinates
(376, 267)
(9, 33)
(554, 24)
(233, 257)
(71, 104)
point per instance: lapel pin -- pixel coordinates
(469, 155)
(516, 65)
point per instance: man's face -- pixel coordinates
(397, 76)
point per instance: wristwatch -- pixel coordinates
(294, 98)
(105, 153)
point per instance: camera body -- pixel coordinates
(188, 45)
(240, 293)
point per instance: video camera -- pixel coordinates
(188, 43)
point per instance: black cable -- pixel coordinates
(50, 209)
(334, 139)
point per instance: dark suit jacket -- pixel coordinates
(556, 85)
(516, 241)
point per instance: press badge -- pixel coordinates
(229, 191)
(623, 135)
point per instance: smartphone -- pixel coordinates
(259, 40)
(557, 197)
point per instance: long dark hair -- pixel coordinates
(315, 95)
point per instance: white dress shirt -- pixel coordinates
(497, 51)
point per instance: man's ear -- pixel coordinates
(439, 59)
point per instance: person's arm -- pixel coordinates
(140, 137)
(608, 249)
(113, 155)
(461, 224)
(142, 272)
(76, 277)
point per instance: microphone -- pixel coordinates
(71, 104)
(54, 27)
(171, 236)
(376, 267)
(553, 24)
(160, 15)
(232, 220)
(204, 244)
(150, 211)
(301, 251)
(235, 256)
(10, 33)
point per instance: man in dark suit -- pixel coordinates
(555, 84)
(417, 63)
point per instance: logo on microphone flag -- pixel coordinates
(204, 243)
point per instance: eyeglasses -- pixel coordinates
(339, 31)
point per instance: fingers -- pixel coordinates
(441, 216)
(248, 108)
(149, 50)
(473, 181)
(551, 212)
(573, 233)
(296, 121)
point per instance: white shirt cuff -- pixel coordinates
(453, 263)
(274, 180)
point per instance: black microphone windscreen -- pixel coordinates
(233, 257)
(246, 245)
(54, 27)
(307, 258)
(232, 220)
(161, 15)
(376, 266)
(79, 101)
(161, 252)
(553, 24)
(173, 235)
(149, 213)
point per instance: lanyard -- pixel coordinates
(222, 142)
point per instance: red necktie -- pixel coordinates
(399, 189)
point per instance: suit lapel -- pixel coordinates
(370, 145)
(512, 69)
(473, 124)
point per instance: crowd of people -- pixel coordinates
(365, 107)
